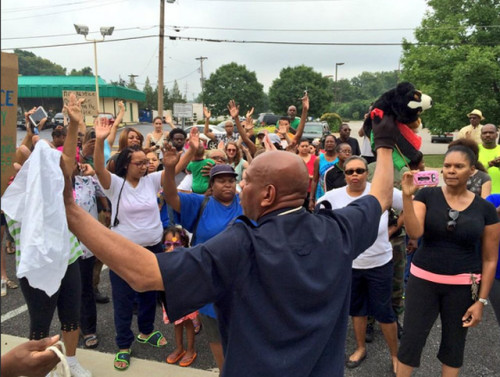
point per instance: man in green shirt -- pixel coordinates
(294, 120)
(489, 155)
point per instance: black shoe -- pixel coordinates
(400, 330)
(100, 298)
(354, 364)
(369, 332)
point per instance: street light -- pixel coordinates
(105, 30)
(336, 67)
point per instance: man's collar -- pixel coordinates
(280, 212)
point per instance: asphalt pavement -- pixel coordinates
(482, 355)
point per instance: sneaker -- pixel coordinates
(78, 371)
(369, 332)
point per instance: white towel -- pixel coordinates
(35, 200)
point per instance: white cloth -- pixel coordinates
(366, 148)
(138, 214)
(380, 252)
(36, 196)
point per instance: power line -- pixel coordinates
(214, 40)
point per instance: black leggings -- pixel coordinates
(41, 307)
(424, 301)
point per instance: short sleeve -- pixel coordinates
(190, 206)
(421, 195)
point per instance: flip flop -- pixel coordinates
(90, 341)
(11, 284)
(122, 357)
(185, 362)
(175, 359)
(153, 339)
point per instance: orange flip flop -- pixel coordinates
(189, 361)
(173, 360)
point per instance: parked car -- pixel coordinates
(214, 129)
(21, 121)
(267, 119)
(58, 120)
(109, 116)
(446, 137)
(313, 130)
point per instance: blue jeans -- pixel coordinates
(123, 302)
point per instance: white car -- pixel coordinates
(214, 129)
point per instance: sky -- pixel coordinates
(133, 47)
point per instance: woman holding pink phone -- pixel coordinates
(460, 234)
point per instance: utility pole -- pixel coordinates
(202, 80)
(132, 79)
(160, 59)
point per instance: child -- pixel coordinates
(175, 237)
(200, 182)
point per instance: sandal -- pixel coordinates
(187, 361)
(122, 357)
(173, 358)
(11, 284)
(90, 341)
(153, 339)
(10, 249)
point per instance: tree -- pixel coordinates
(456, 61)
(32, 65)
(86, 71)
(174, 97)
(233, 81)
(131, 82)
(289, 88)
(151, 101)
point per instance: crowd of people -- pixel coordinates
(257, 243)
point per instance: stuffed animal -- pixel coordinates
(402, 105)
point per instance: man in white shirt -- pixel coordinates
(473, 130)
(372, 271)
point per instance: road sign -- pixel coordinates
(183, 110)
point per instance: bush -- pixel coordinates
(334, 121)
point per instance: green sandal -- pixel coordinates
(153, 340)
(122, 357)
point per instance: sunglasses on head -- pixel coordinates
(452, 224)
(357, 171)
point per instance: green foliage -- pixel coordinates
(457, 61)
(289, 87)
(174, 97)
(32, 65)
(355, 109)
(151, 101)
(233, 81)
(86, 71)
(334, 121)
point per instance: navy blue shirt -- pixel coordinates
(281, 288)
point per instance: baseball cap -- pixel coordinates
(222, 169)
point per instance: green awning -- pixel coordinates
(53, 86)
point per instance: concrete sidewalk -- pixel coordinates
(101, 364)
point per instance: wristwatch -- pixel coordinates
(483, 301)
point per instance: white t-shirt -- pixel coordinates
(380, 252)
(366, 148)
(138, 214)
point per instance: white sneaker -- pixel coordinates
(78, 371)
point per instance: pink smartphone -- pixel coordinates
(426, 178)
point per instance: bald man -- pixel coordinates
(281, 290)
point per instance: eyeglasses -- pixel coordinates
(346, 151)
(169, 244)
(219, 158)
(357, 171)
(140, 164)
(452, 224)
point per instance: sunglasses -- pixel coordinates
(357, 171)
(219, 158)
(140, 164)
(169, 244)
(452, 224)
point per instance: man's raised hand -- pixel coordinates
(207, 113)
(170, 155)
(74, 108)
(234, 110)
(250, 112)
(102, 128)
(305, 102)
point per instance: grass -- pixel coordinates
(433, 160)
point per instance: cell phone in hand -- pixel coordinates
(37, 116)
(426, 178)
